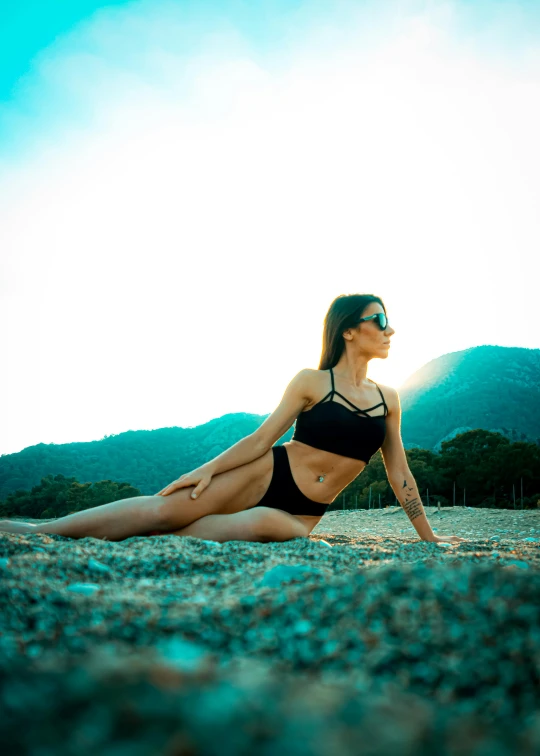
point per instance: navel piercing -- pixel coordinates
(321, 478)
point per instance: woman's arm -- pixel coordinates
(397, 469)
(240, 453)
(406, 492)
(296, 396)
(400, 477)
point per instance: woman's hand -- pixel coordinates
(200, 478)
(446, 539)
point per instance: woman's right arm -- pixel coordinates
(251, 447)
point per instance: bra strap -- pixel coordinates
(382, 396)
(332, 377)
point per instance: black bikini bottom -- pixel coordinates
(283, 493)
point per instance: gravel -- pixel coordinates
(360, 639)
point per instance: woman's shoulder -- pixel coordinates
(312, 372)
(313, 375)
(386, 387)
(317, 378)
(391, 396)
(312, 380)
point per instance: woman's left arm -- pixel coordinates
(399, 475)
(406, 492)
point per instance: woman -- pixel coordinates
(255, 491)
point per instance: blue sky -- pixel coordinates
(40, 41)
(29, 26)
(185, 187)
(270, 29)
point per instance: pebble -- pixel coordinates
(519, 563)
(302, 627)
(99, 567)
(87, 589)
(326, 543)
(284, 573)
(276, 647)
(182, 654)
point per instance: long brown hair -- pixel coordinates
(344, 312)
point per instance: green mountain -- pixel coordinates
(148, 460)
(487, 387)
(490, 387)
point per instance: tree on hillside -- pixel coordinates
(57, 495)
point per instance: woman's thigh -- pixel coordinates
(260, 524)
(229, 492)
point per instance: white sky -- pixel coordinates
(174, 226)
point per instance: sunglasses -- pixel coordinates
(380, 318)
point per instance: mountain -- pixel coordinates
(147, 459)
(490, 387)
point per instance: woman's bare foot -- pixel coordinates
(11, 526)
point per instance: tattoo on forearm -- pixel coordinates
(411, 505)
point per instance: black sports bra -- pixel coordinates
(331, 426)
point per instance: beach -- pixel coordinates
(360, 639)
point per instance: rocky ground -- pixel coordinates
(462, 521)
(359, 640)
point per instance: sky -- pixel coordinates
(186, 186)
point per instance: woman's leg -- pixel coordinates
(229, 492)
(14, 526)
(242, 526)
(260, 524)
(112, 522)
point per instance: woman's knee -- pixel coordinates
(275, 525)
(228, 527)
(177, 510)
